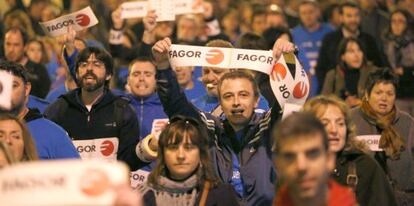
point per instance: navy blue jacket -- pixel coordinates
(253, 152)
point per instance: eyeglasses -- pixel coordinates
(95, 64)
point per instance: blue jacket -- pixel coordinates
(52, 141)
(55, 93)
(253, 152)
(38, 103)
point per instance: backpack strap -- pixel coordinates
(352, 178)
(119, 107)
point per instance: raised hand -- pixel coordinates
(282, 46)
(160, 53)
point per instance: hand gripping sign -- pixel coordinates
(63, 182)
(286, 87)
(79, 20)
(165, 9)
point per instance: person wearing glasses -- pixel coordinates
(240, 144)
(101, 124)
(184, 175)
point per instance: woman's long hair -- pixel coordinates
(180, 129)
(29, 148)
(318, 106)
(342, 49)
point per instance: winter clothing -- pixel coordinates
(102, 121)
(52, 142)
(372, 188)
(36, 102)
(337, 194)
(39, 78)
(242, 158)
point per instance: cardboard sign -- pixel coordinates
(157, 126)
(372, 141)
(60, 183)
(102, 148)
(227, 58)
(138, 177)
(6, 87)
(290, 109)
(135, 9)
(79, 20)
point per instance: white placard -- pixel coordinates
(101, 148)
(6, 87)
(187, 7)
(138, 177)
(79, 20)
(290, 109)
(61, 183)
(372, 141)
(135, 9)
(164, 9)
(157, 126)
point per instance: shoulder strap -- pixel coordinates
(204, 195)
(120, 105)
(352, 178)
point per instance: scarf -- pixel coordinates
(390, 141)
(172, 193)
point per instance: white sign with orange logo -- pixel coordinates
(289, 85)
(6, 87)
(372, 141)
(138, 177)
(228, 58)
(63, 182)
(79, 20)
(101, 148)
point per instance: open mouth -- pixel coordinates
(333, 140)
(382, 106)
(237, 111)
(210, 86)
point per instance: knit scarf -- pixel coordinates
(390, 141)
(171, 193)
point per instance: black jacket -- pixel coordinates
(328, 53)
(39, 78)
(373, 188)
(69, 112)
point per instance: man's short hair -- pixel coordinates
(100, 54)
(382, 75)
(251, 40)
(350, 3)
(298, 125)
(239, 74)
(16, 69)
(219, 43)
(23, 33)
(140, 59)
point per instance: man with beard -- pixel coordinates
(101, 125)
(52, 142)
(351, 19)
(15, 40)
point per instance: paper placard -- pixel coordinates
(6, 87)
(60, 183)
(164, 9)
(138, 177)
(135, 9)
(101, 148)
(372, 141)
(290, 108)
(157, 126)
(187, 7)
(79, 20)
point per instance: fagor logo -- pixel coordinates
(107, 148)
(94, 182)
(300, 90)
(214, 56)
(83, 19)
(278, 72)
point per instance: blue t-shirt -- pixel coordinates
(309, 44)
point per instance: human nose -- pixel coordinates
(301, 163)
(236, 101)
(332, 128)
(180, 154)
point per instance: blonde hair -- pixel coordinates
(318, 106)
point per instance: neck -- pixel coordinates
(188, 85)
(91, 97)
(313, 27)
(347, 33)
(320, 199)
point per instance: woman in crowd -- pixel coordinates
(15, 134)
(393, 130)
(347, 80)
(399, 49)
(36, 52)
(354, 168)
(184, 175)
(6, 156)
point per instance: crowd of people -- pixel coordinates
(98, 93)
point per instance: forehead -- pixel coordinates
(142, 67)
(307, 6)
(352, 44)
(350, 10)
(9, 125)
(236, 85)
(332, 112)
(213, 69)
(301, 144)
(13, 36)
(386, 86)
